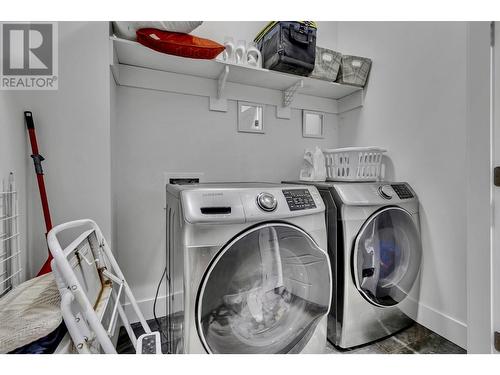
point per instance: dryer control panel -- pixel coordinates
(299, 199)
(376, 193)
(402, 191)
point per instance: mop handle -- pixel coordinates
(37, 161)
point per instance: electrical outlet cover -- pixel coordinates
(168, 176)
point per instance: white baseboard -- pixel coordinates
(444, 325)
(146, 306)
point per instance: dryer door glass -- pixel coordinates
(265, 292)
(387, 255)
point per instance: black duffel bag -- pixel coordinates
(288, 46)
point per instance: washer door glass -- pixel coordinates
(265, 292)
(387, 255)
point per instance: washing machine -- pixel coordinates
(375, 252)
(247, 269)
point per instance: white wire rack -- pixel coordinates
(10, 248)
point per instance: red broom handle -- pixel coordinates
(45, 203)
(37, 160)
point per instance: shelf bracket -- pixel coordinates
(284, 111)
(219, 103)
(289, 93)
(351, 101)
(221, 82)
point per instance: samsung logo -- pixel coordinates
(213, 194)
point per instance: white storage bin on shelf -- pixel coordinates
(353, 163)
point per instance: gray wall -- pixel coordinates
(247, 30)
(73, 129)
(160, 132)
(415, 107)
(157, 132)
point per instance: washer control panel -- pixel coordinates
(402, 191)
(299, 199)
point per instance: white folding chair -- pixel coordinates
(93, 290)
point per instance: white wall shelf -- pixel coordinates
(135, 65)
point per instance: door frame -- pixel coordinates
(480, 193)
(495, 123)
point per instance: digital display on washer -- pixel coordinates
(299, 199)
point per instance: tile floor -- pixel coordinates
(413, 340)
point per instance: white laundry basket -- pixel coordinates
(353, 163)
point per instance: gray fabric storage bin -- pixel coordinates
(326, 65)
(354, 70)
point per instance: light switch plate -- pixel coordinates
(250, 117)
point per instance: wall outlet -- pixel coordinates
(180, 177)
